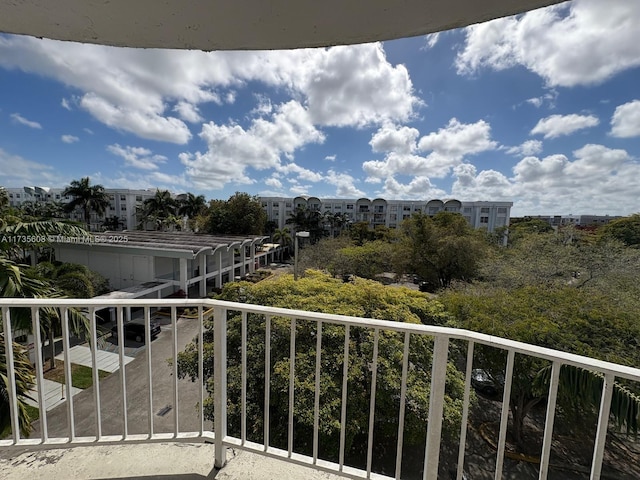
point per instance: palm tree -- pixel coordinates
(191, 206)
(158, 208)
(89, 198)
(306, 219)
(283, 237)
(25, 380)
(113, 223)
(4, 199)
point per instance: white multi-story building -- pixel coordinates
(122, 203)
(390, 213)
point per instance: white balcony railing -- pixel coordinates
(104, 423)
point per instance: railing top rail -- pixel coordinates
(452, 333)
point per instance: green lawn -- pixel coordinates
(81, 376)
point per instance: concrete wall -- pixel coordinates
(122, 270)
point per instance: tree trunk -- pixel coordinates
(520, 410)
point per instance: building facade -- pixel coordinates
(122, 203)
(389, 213)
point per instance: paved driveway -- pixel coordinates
(137, 387)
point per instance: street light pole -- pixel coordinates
(295, 253)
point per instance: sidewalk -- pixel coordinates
(54, 394)
(107, 361)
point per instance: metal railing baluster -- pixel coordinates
(465, 411)
(372, 400)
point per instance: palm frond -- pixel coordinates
(578, 385)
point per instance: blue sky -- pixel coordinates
(542, 109)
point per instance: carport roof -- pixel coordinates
(166, 244)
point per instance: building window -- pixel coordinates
(57, 196)
(378, 209)
(11, 195)
(484, 210)
(287, 205)
(502, 210)
(484, 219)
(123, 208)
(406, 208)
(466, 209)
(337, 207)
(350, 207)
(393, 208)
(17, 195)
(276, 205)
(123, 198)
(111, 197)
(393, 217)
(138, 198)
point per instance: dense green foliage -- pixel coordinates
(564, 291)
(241, 214)
(25, 380)
(321, 293)
(626, 230)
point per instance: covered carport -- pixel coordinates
(177, 260)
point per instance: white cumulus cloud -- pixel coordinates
(559, 125)
(69, 139)
(233, 149)
(582, 42)
(529, 147)
(625, 122)
(137, 157)
(136, 90)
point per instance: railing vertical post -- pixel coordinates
(504, 415)
(465, 411)
(35, 328)
(603, 422)
(548, 426)
(220, 383)
(11, 374)
(436, 407)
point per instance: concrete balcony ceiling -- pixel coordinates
(248, 24)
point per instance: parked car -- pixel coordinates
(483, 382)
(135, 331)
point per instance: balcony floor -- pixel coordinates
(158, 461)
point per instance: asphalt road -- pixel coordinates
(137, 388)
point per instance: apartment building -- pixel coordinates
(390, 213)
(577, 220)
(122, 203)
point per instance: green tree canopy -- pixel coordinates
(440, 249)
(626, 230)
(242, 214)
(321, 293)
